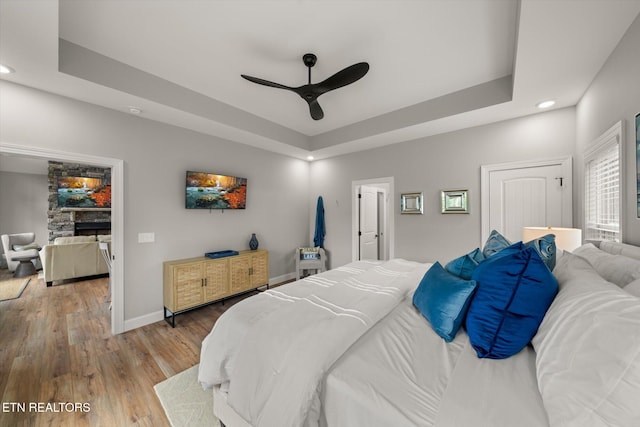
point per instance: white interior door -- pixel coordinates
(536, 194)
(383, 243)
(368, 223)
(386, 214)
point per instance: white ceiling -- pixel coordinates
(436, 65)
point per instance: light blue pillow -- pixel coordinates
(514, 248)
(494, 244)
(463, 266)
(546, 248)
(443, 299)
(514, 291)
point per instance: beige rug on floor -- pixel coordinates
(185, 402)
(12, 288)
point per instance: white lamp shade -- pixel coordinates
(567, 239)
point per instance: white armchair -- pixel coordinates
(15, 243)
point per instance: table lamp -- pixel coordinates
(567, 239)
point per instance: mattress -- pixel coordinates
(401, 373)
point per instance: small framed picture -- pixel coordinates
(411, 203)
(455, 201)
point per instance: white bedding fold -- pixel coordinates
(277, 370)
(219, 348)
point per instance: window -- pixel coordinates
(602, 186)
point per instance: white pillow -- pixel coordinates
(633, 288)
(617, 269)
(588, 351)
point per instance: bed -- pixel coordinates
(350, 347)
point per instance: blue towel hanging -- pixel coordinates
(318, 237)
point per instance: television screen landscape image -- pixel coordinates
(212, 191)
(80, 192)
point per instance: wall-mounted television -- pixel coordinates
(212, 191)
(82, 192)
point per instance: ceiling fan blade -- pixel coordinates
(342, 78)
(315, 110)
(310, 92)
(265, 82)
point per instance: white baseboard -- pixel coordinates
(156, 316)
(140, 321)
(283, 278)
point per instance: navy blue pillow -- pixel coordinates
(463, 266)
(514, 248)
(494, 244)
(443, 299)
(514, 291)
(546, 248)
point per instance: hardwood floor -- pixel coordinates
(56, 347)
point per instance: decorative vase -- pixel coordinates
(253, 243)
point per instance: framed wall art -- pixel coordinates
(455, 201)
(411, 203)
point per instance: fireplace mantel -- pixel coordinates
(74, 210)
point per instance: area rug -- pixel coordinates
(12, 288)
(185, 402)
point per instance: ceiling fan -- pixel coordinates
(310, 92)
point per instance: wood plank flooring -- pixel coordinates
(56, 346)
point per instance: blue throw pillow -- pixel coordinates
(463, 267)
(443, 299)
(546, 248)
(513, 294)
(494, 244)
(514, 248)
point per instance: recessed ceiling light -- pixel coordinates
(135, 110)
(545, 104)
(5, 69)
(309, 158)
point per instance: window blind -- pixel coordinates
(602, 188)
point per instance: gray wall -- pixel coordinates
(156, 157)
(282, 191)
(23, 204)
(429, 165)
(613, 95)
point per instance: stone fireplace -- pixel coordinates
(92, 228)
(65, 222)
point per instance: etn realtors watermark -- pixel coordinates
(53, 407)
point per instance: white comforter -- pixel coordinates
(275, 353)
(402, 374)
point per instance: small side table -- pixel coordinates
(318, 264)
(26, 267)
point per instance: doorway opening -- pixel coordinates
(372, 223)
(117, 213)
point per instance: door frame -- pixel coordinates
(566, 163)
(117, 213)
(389, 222)
(365, 209)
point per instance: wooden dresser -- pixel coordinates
(194, 282)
